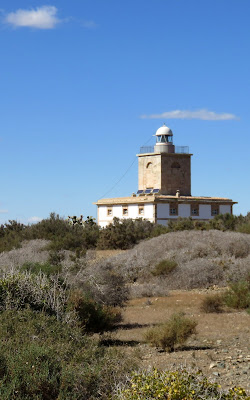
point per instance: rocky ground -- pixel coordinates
(220, 348)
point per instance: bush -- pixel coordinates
(223, 222)
(19, 290)
(174, 332)
(92, 316)
(212, 304)
(62, 235)
(164, 267)
(238, 295)
(125, 233)
(181, 224)
(46, 268)
(41, 293)
(11, 235)
(244, 228)
(45, 359)
(106, 286)
(177, 385)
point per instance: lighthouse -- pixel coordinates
(164, 188)
(167, 168)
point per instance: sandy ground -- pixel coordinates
(220, 348)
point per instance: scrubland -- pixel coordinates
(134, 311)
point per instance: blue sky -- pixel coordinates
(85, 83)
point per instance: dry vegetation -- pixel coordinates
(203, 259)
(177, 260)
(74, 288)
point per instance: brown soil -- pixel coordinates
(221, 347)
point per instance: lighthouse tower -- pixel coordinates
(167, 168)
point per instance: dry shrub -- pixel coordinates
(239, 248)
(104, 284)
(164, 267)
(152, 289)
(197, 253)
(212, 304)
(40, 293)
(174, 332)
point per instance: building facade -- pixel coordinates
(164, 188)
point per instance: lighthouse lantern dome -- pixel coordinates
(164, 140)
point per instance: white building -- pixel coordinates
(164, 188)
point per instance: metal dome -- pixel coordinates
(164, 130)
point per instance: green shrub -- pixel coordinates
(212, 304)
(181, 224)
(55, 257)
(164, 267)
(11, 235)
(244, 228)
(46, 268)
(158, 230)
(238, 295)
(223, 222)
(93, 316)
(62, 235)
(174, 332)
(125, 233)
(243, 223)
(179, 385)
(44, 359)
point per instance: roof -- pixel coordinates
(158, 198)
(164, 130)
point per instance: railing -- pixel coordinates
(178, 149)
(182, 149)
(146, 149)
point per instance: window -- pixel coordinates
(164, 139)
(109, 212)
(195, 209)
(173, 209)
(175, 165)
(214, 210)
(141, 210)
(124, 210)
(149, 165)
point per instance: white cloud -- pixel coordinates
(198, 114)
(34, 219)
(41, 18)
(89, 24)
(4, 211)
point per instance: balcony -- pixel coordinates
(178, 149)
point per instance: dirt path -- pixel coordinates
(221, 347)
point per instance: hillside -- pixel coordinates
(193, 264)
(203, 259)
